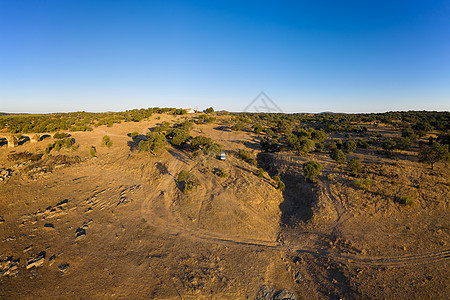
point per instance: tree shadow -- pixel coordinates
(298, 195)
(134, 143)
(23, 140)
(3, 142)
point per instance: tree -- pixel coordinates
(280, 184)
(107, 141)
(209, 110)
(155, 143)
(92, 151)
(354, 165)
(350, 146)
(179, 136)
(433, 154)
(311, 169)
(338, 155)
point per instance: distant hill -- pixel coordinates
(3, 114)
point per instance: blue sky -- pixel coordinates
(308, 56)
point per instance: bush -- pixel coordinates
(363, 184)
(179, 136)
(408, 200)
(260, 172)
(155, 143)
(182, 176)
(338, 155)
(200, 142)
(222, 173)
(60, 135)
(354, 165)
(134, 134)
(237, 127)
(92, 151)
(209, 110)
(279, 184)
(257, 128)
(188, 186)
(311, 169)
(350, 146)
(247, 156)
(107, 141)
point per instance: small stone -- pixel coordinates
(49, 226)
(27, 249)
(51, 261)
(63, 268)
(37, 261)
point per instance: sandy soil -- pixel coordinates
(118, 225)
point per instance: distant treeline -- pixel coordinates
(76, 121)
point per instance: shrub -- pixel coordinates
(279, 184)
(305, 146)
(338, 155)
(154, 144)
(408, 200)
(257, 128)
(199, 142)
(68, 142)
(107, 141)
(209, 110)
(311, 169)
(260, 172)
(350, 146)
(134, 134)
(188, 186)
(354, 165)
(182, 176)
(363, 184)
(247, 156)
(92, 151)
(60, 135)
(318, 147)
(237, 127)
(222, 173)
(179, 136)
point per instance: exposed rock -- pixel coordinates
(80, 233)
(27, 249)
(51, 261)
(37, 261)
(63, 268)
(49, 226)
(9, 266)
(266, 293)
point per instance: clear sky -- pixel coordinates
(307, 56)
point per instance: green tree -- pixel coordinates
(260, 172)
(92, 151)
(354, 165)
(155, 143)
(209, 110)
(433, 154)
(182, 176)
(350, 146)
(338, 155)
(311, 169)
(179, 136)
(279, 184)
(107, 141)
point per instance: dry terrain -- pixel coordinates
(118, 225)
